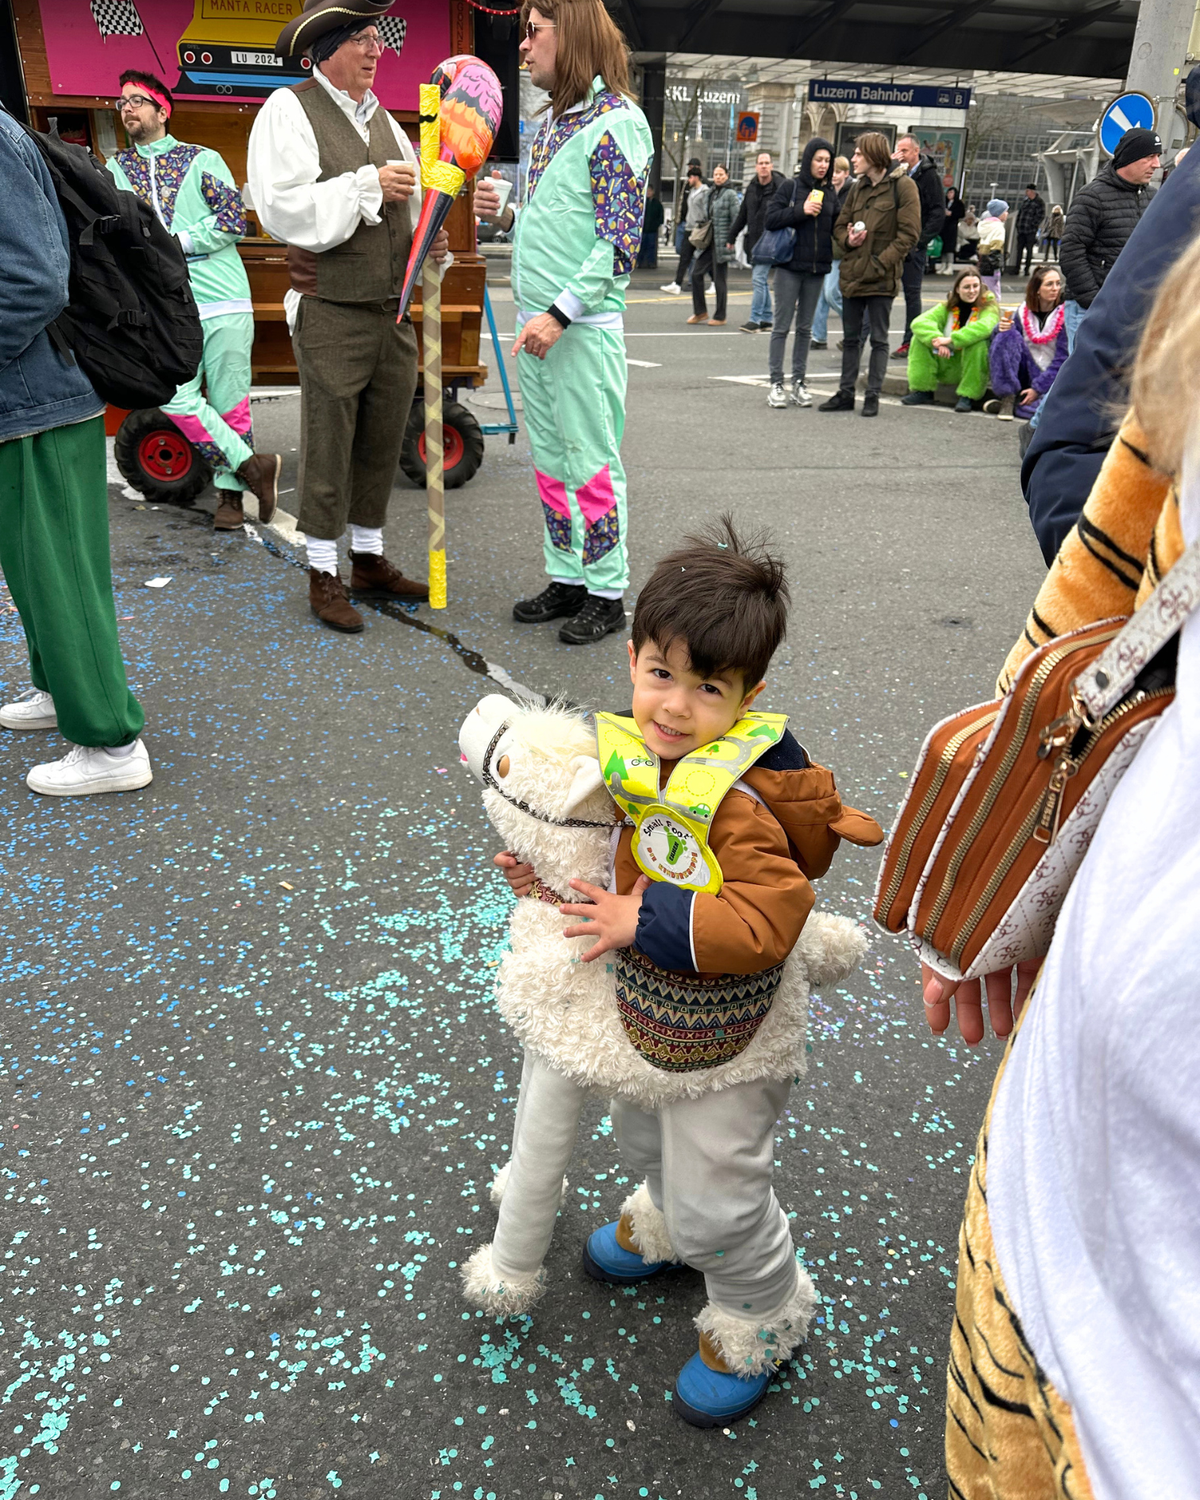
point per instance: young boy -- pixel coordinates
(729, 820)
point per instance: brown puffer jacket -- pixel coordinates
(891, 210)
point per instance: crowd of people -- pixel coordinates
(836, 238)
(1074, 1344)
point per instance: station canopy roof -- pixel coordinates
(1080, 39)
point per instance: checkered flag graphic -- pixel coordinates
(391, 32)
(117, 18)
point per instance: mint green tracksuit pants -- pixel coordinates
(55, 557)
(574, 407)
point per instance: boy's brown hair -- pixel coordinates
(723, 597)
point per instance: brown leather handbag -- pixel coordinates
(1006, 796)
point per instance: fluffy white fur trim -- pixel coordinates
(751, 1348)
(502, 1295)
(647, 1227)
(500, 1185)
(831, 947)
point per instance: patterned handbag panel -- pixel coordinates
(684, 1023)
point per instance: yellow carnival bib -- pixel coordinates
(670, 840)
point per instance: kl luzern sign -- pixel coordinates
(914, 95)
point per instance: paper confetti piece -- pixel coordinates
(157, 583)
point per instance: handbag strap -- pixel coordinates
(1163, 615)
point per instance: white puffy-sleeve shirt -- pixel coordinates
(284, 163)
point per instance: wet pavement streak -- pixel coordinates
(256, 1084)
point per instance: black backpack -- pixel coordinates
(131, 320)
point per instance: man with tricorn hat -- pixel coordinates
(334, 177)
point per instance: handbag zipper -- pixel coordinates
(945, 761)
(1028, 709)
(1047, 813)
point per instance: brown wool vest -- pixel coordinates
(370, 265)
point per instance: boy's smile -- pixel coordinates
(676, 709)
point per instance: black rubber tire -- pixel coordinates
(156, 458)
(463, 443)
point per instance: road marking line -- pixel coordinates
(645, 364)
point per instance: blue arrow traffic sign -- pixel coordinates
(1129, 112)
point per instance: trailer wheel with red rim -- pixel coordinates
(462, 442)
(156, 458)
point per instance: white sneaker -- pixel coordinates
(85, 769)
(673, 287)
(778, 397)
(800, 394)
(31, 709)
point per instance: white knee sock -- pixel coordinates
(322, 555)
(366, 539)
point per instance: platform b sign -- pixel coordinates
(747, 126)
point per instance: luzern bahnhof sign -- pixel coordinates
(915, 95)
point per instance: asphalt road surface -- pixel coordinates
(257, 1086)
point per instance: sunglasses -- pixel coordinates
(531, 30)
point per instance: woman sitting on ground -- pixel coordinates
(1030, 348)
(950, 344)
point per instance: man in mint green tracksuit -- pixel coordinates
(193, 192)
(577, 238)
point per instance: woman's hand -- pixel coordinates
(811, 209)
(609, 918)
(943, 347)
(520, 877)
(1004, 1007)
(1006, 320)
(1027, 397)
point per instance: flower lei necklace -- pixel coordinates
(1049, 330)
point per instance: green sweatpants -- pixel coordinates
(55, 559)
(966, 369)
(574, 406)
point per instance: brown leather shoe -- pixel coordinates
(330, 603)
(697, 318)
(374, 577)
(230, 515)
(260, 474)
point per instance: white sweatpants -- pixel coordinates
(708, 1164)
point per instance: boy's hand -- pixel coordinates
(611, 919)
(520, 877)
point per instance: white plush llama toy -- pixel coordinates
(545, 795)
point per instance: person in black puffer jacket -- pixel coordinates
(1101, 218)
(928, 182)
(809, 204)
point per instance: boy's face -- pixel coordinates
(676, 709)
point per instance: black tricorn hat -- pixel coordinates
(320, 16)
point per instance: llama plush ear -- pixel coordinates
(587, 779)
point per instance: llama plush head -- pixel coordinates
(543, 790)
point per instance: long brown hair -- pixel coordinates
(1033, 291)
(873, 145)
(589, 44)
(986, 294)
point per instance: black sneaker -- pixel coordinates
(595, 620)
(963, 405)
(839, 401)
(819, 344)
(552, 603)
(749, 328)
(917, 398)
(870, 406)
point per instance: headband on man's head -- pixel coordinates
(156, 94)
(327, 44)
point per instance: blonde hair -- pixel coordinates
(873, 145)
(1166, 372)
(840, 164)
(589, 44)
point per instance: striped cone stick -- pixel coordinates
(435, 493)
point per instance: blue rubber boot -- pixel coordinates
(605, 1259)
(705, 1397)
